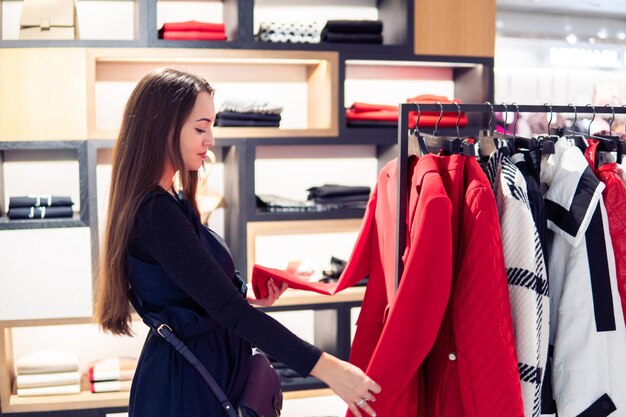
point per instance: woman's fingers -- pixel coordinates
(355, 410)
(374, 387)
(366, 407)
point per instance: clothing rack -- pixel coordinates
(403, 135)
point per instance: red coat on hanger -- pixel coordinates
(614, 196)
(396, 331)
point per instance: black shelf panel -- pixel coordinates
(6, 224)
(76, 43)
(40, 145)
(304, 216)
(332, 141)
(374, 49)
(163, 43)
(300, 384)
(352, 54)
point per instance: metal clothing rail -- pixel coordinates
(403, 135)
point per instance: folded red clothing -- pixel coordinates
(359, 107)
(194, 26)
(432, 99)
(194, 36)
(426, 120)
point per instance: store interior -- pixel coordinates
(62, 101)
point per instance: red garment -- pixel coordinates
(382, 112)
(451, 298)
(194, 36)
(194, 26)
(425, 120)
(614, 196)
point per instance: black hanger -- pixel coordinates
(614, 142)
(577, 138)
(503, 140)
(520, 142)
(449, 145)
(423, 148)
(487, 143)
(546, 142)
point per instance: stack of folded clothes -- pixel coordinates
(353, 31)
(380, 115)
(278, 204)
(288, 32)
(340, 196)
(47, 373)
(40, 206)
(193, 31)
(248, 113)
(112, 375)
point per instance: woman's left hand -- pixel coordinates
(273, 293)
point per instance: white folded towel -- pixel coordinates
(47, 380)
(47, 361)
(59, 390)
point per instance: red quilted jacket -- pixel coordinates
(614, 196)
(442, 345)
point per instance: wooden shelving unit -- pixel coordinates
(70, 73)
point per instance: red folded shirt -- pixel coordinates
(194, 26)
(426, 120)
(194, 35)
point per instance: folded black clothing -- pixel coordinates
(342, 199)
(330, 190)
(231, 115)
(372, 123)
(21, 213)
(332, 37)
(245, 123)
(40, 200)
(374, 27)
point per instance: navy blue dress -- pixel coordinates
(184, 274)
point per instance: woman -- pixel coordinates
(155, 246)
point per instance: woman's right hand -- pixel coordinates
(349, 382)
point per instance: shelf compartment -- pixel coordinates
(393, 81)
(18, 341)
(393, 14)
(97, 20)
(43, 278)
(210, 11)
(334, 237)
(308, 79)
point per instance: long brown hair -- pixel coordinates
(149, 138)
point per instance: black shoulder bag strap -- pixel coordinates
(165, 331)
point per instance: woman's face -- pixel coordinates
(196, 136)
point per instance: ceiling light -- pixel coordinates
(567, 28)
(621, 36)
(571, 39)
(499, 24)
(603, 33)
(592, 40)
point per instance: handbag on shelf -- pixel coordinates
(48, 19)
